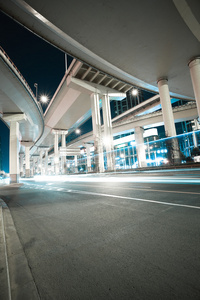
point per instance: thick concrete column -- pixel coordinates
(14, 144)
(76, 163)
(56, 153)
(63, 151)
(195, 140)
(41, 162)
(108, 136)
(34, 164)
(63, 138)
(27, 161)
(140, 148)
(27, 145)
(46, 162)
(194, 66)
(14, 151)
(96, 124)
(168, 118)
(88, 146)
(21, 160)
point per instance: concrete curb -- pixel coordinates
(16, 281)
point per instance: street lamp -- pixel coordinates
(44, 99)
(78, 131)
(134, 92)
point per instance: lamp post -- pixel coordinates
(36, 88)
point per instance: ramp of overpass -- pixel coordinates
(71, 105)
(17, 101)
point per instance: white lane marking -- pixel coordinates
(162, 191)
(130, 198)
(6, 256)
(175, 192)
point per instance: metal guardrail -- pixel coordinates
(13, 67)
(156, 113)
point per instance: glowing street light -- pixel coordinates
(44, 99)
(134, 92)
(77, 131)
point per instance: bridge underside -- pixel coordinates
(135, 41)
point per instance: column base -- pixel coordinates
(142, 164)
(89, 169)
(27, 173)
(56, 169)
(14, 178)
(173, 153)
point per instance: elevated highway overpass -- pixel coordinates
(155, 119)
(137, 42)
(117, 50)
(70, 106)
(20, 110)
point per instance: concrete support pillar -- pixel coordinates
(108, 136)
(63, 139)
(195, 140)
(34, 165)
(14, 151)
(27, 161)
(168, 118)
(63, 155)
(194, 66)
(46, 162)
(88, 146)
(96, 124)
(31, 167)
(140, 148)
(76, 163)
(14, 144)
(41, 162)
(37, 165)
(21, 161)
(56, 153)
(62, 152)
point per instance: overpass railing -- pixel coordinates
(4, 56)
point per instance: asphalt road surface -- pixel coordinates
(131, 236)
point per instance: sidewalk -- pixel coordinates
(16, 281)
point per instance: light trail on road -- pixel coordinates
(134, 179)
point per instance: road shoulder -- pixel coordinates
(15, 275)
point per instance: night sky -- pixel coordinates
(38, 62)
